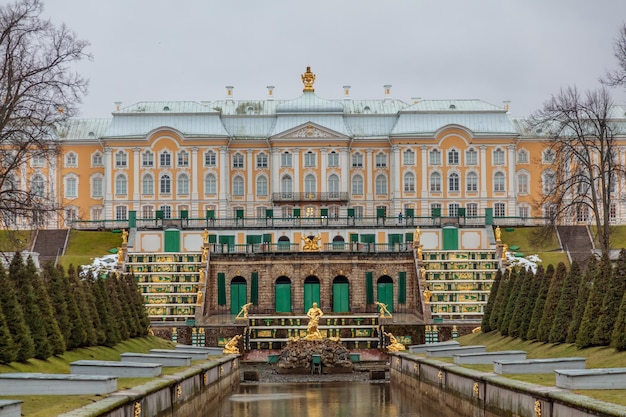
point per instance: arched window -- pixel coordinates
(210, 184)
(210, 159)
(38, 187)
(471, 157)
(498, 157)
(522, 183)
(261, 160)
(409, 182)
(165, 186)
(381, 185)
(165, 159)
(71, 186)
(453, 182)
(286, 185)
(120, 184)
(147, 159)
(472, 182)
(453, 157)
(183, 159)
(499, 182)
(333, 184)
(238, 189)
(408, 157)
(357, 185)
(261, 186)
(97, 186)
(310, 184)
(147, 185)
(357, 160)
(71, 159)
(381, 160)
(182, 187)
(120, 159)
(549, 182)
(435, 157)
(237, 160)
(96, 159)
(435, 182)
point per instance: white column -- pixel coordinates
(395, 174)
(425, 183)
(136, 182)
(344, 163)
(324, 167)
(249, 175)
(511, 172)
(296, 170)
(369, 178)
(224, 175)
(194, 183)
(275, 170)
(482, 162)
(108, 183)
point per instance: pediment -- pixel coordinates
(309, 130)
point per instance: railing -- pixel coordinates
(308, 222)
(289, 197)
(288, 247)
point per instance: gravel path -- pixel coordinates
(267, 374)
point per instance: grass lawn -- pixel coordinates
(14, 240)
(597, 357)
(83, 246)
(53, 405)
(531, 243)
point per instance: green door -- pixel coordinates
(341, 295)
(283, 296)
(393, 239)
(237, 295)
(385, 292)
(450, 238)
(311, 294)
(488, 216)
(227, 242)
(172, 240)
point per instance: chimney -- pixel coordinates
(387, 91)
(507, 104)
(229, 92)
(346, 92)
(270, 92)
(118, 105)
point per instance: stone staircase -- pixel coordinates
(576, 242)
(50, 244)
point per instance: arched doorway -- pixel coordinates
(284, 243)
(238, 297)
(283, 295)
(338, 243)
(385, 291)
(341, 294)
(311, 292)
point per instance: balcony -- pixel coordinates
(291, 197)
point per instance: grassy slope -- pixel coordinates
(597, 357)
(83, 246)
(547, 248)
(14, 240)
(52, 405)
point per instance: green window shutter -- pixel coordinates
(212, 238)
(254, 288)
(221, 289)
(354, 237)
(267, 238)
(408, 237)
(369, 287)
(401, 287)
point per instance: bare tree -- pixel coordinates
(38, 93)
(582, 181)
(618, 77)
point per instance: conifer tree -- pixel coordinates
(618, 339)
(54, 280)
(511, 298)
(498, 308)
(484, 325)
(611, 301)
(78, 311)
(540, 302)
(51, 327)
(138, 304)
(117, 309)
(524, 283)
(589, 321)
(105, 310)
(564, 311)
(7, 347)
(91, 312)
(14, 315)
(552, 300)
(536, 279)
(128, 301)
(586, 283)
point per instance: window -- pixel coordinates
(165, 159)
(96, 159)
(261, 160)
(182, 187)
(498, 157)
(183, 159)
(550, 211)
(381, 160)
(97, 190)
(71, 187)
(147, 212)
(357, 185)
(120, 160)
(471, 210)
(210, 184)
(453, 209)
(358, 212)
(39, 160)
(165, 184)
(147, 185)
(524, 211)
(471, 157)
(582, 213)
(434, 157)
(435, 206)
(238, 186)
(549, 156)
(261, 212)
(522, 157)
(120, 185)
(38, 187)
(286, 186)
(210, 159)
(453, 157)
(613, 212)
(333, 186)
(147, 159)
(261, 186)
(71, 160)
(97, 213)
(333, 159)
(285, 159)
(522, 183)
(167, 211)
(453, 182)
(381, 185)
(549, 182)
(237, 160)
(120, 212)
(310, 184)
(309, 159)
(435, 182)
(408, 157)
(70, 215)
(357, 160)
(498, 182)
(499, 209)
(409, 182)
(472, 182)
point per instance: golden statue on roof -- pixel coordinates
(308, 78)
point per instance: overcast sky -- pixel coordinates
(493, 50)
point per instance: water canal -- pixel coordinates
(325, 399)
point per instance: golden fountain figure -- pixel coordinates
(382, 309)
(232, 347)
(394, 345)
(243, 314)
(427, 294)
(308, 78)
(311, 243)
(124, 236)
(314, 313)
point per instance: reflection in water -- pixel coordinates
(328, 399)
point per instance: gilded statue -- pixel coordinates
(308, 78)
(205, 236)
(120, 255)
(124, 236)
(419, 252)
(202, 276)
(423, 273)
(382, 309)
(205, 254)
(311, 243)
(498, 234)
(505, 249)
(232, 347)
(314, 313)
(243, 314)
(199, 298)
(427, 294)
(394, 345)
(416, 237)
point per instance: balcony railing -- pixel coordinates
(290, 197)
(288, 247)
